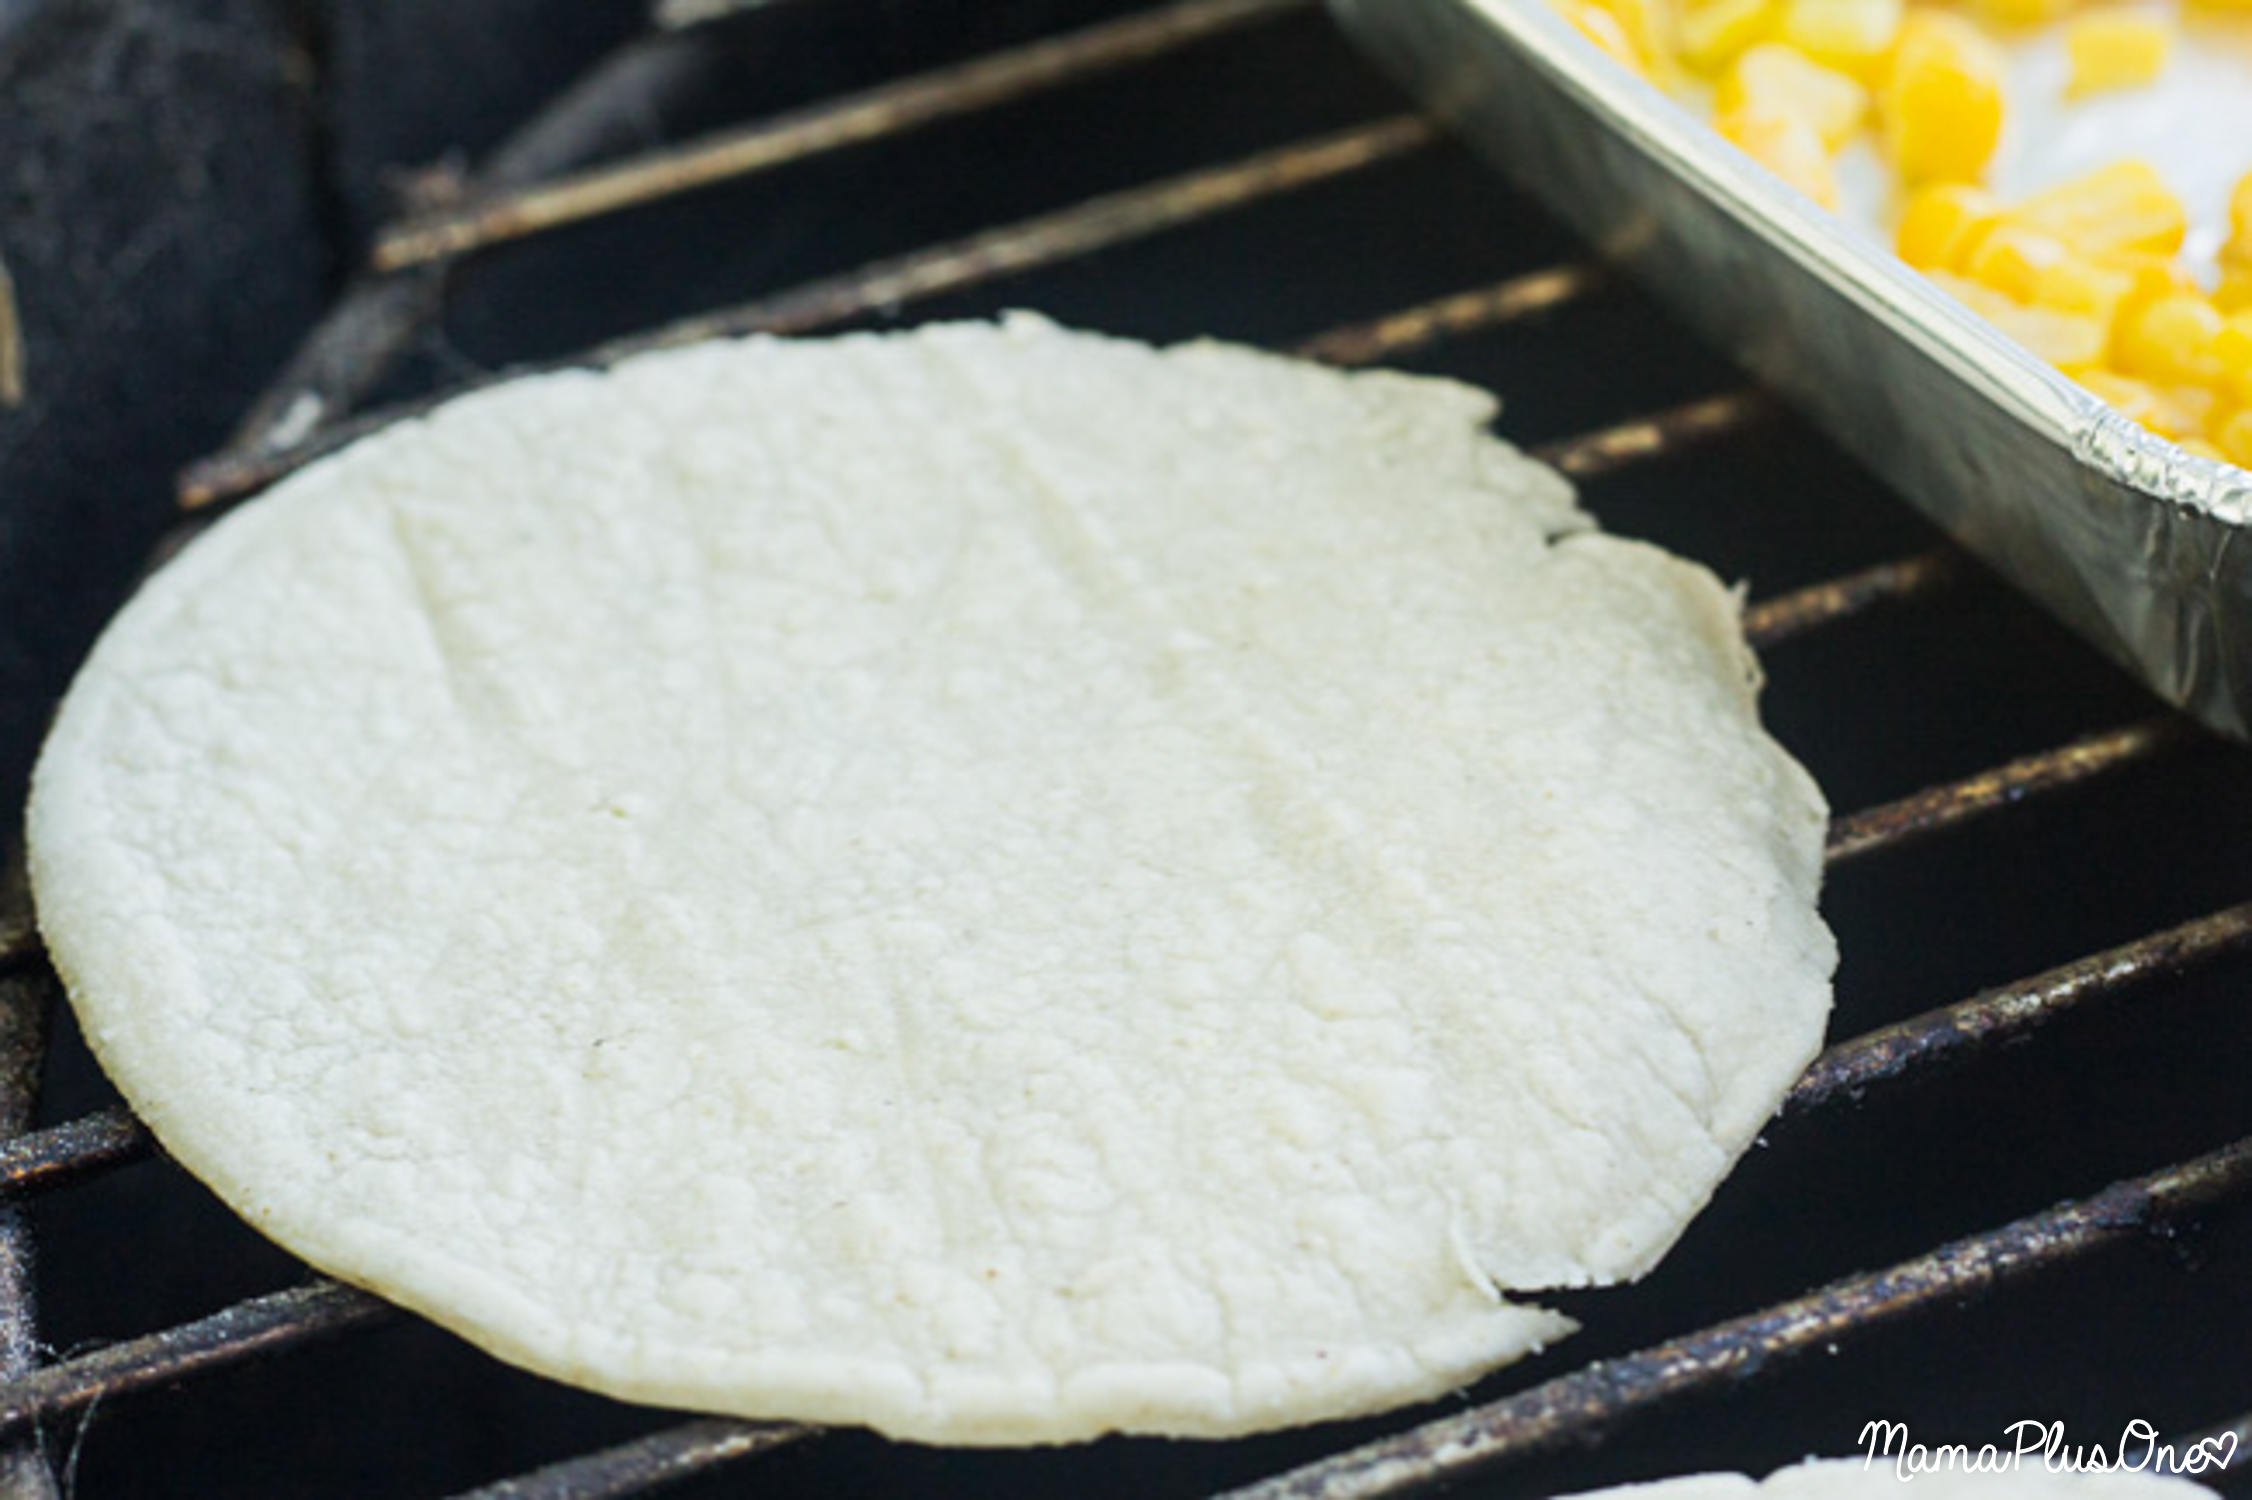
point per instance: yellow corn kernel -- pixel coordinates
(1942, 100)
(2115, 48)
(2073, 342)
(2011, 260)
(2233, 293)
(2071, 284)
(2232, 346)
(1941, 225)
(1603, 29)
(1983, 300)
(1786, 145)
(2125, 207)
(1649, 26)
(1714, 32)
(2153, 276)
(2170, 341)
(1788, 79)
(2070, 341)
(2184, 411)
(2177, 412)
(2136, 400)
(1853, 36)
(2238, 248)
(2233, 436)
(2023, 12)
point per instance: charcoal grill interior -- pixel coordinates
(2035, 1206)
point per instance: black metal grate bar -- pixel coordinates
(646, 1465)
(378, 317)
(262, 1326)
(1914, 818)
(359, 340)
(43, 1161)
(26, 1001)
(677, 15)
(1047, 239)
(12, 383)
(1474, 311)
(1786, 617)
(1098, 223)
(1589, 1403)
(853, 120)
(1593, 454)
(1923, 1043)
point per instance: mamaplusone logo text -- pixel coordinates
(2138, 1450)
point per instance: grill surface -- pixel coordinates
(2018, 1185)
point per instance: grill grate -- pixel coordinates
(1662, 440)
(1590, 1402)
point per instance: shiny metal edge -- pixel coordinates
(2128, 538)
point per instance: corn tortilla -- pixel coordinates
(993, 883)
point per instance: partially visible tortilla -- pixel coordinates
(993, 883)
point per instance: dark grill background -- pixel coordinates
(1906, 694)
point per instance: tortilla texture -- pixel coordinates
(993, 883)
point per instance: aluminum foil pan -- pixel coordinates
(2140, 546)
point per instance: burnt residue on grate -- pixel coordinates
(2015, 1186)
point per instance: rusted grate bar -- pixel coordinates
(1589, 1403)
(265, 1325)
(20, 947)
(235, 473)
(359, 340)
(26, 1001)
(830, 126)
(343, 357)
(649, 1462)
(354, 344)
(1593, 454)
(1942, 807)
(2010, 1011)
(678, 15)
(645, 1465)
(1802, 611)
(44, 1161)
(1048, 239)
(1474, 311)
(13, 388)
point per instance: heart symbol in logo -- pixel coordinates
(2226, 1441)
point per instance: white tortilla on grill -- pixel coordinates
(2019, 1477)
(994, 883)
